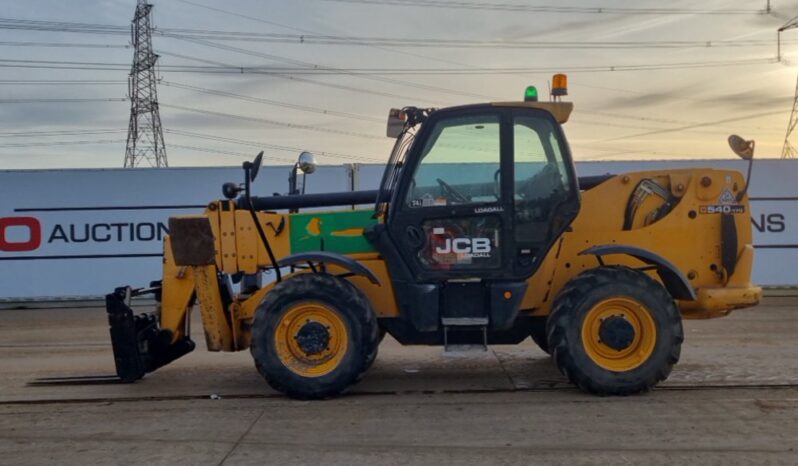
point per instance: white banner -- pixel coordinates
(81, 233)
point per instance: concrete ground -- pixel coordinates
(733, 399)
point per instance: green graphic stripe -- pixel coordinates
(340, 232)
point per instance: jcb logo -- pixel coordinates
(473, 246)
(34, 234)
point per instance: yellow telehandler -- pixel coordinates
(480, 233)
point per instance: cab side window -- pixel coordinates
(541, 180)
(459, 164)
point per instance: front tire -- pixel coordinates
(314, 336)
(537, 330)
(615, 331)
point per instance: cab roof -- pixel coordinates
(561, 111)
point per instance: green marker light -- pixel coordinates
(531, 94)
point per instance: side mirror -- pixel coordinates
(256, 166)
(306, 163)
(744, 149)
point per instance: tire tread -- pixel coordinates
(348, 299)
(575, 292)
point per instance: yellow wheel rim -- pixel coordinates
(626, 314)
(311, 339)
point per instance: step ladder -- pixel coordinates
(451, 323)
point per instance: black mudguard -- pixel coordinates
(674, 280)
(326, 257)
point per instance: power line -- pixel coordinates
(191, 58)
(615, 151)
(637, 118)
(326, 39)
(59, 26)
(429, 42)
(604, 123)
(309, 32)
(273, 122)
(791, 24)
(360, 72)
(63, 143)
(238, 154)
(62, 45)
(275, 103)
(60, 101)
(293, 28)
(697, 125)
(392, 81)
(60, 82)
(59, 133)
(322, 111)
(518, 72)
(259, 144)
(514, 7)
(72, 27)
(358, 90)
(216, 151)
(63, 65)
(313, 68)
(689, 126)
(645, 118)
(285, 76)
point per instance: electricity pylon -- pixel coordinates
(145, 143)
(787, 150)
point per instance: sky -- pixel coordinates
(666, 84)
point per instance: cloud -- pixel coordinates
(758, 100)
(668, 94)
(646, 99)
(39, 116)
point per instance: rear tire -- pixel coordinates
(314, 336)
(615, 331)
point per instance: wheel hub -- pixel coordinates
(617, 333)
(313, 338)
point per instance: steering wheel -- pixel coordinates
(542, 184)
(452, 193)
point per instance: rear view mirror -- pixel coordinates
(306, 163)
(744, 149)
(256, 166)
(396, 123)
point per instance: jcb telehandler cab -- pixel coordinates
(481, 234)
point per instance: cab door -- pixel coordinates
(451, 217)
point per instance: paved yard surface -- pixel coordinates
(733, 399)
